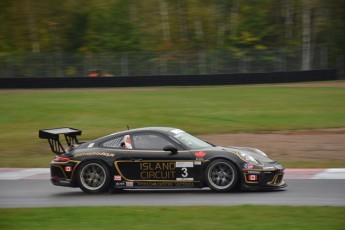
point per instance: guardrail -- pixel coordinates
(170, 80)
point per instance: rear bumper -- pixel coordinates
(62, 174)
(62, 182)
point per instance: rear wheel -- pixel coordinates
(221, 175)
(94, 177)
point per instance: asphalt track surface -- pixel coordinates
(41, 193)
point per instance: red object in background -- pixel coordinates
(94, 73)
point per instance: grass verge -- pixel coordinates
(234, 217)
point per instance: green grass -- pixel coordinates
(198, 110)
(236, 217)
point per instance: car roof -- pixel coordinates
(161, 129)
(137, 130)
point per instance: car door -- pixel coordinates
(148, 165)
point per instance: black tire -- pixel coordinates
(93, 177)
(221, 175)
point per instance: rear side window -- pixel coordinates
(114, 143)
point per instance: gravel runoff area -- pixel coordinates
(303, 145)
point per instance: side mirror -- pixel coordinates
(170, 148)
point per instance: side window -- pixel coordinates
(114, 143)
(149, 141)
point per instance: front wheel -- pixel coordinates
(221, 175)
(93, 177)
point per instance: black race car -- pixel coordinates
(157, 157)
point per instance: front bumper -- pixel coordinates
(263, 179)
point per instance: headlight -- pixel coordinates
(260, 152)
(248, 158)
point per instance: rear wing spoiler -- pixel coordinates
(53, 137)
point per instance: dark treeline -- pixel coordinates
(237, 26)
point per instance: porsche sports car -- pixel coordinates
(157, 157)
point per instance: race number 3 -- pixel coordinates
(184, 172)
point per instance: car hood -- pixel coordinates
(250, 151)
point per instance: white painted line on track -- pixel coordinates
(338, 174)
(17, 174)
(303, 173)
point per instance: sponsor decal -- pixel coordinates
(248, 165)
(90, 145)
(95, 154)
(197, 162)
(68, 168)
(159, 175)
(129, 184)
(184, 164)
(117, 178)
(120, 184)
(165, 184)
(200, 155)
(253, 172)
(185, 179)
(252, 177)
(64, 182)
(157, 170)
(149, 166)
(176, 131)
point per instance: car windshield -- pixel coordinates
(188, 140)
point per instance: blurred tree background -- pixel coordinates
(311, 28)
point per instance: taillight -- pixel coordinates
(61, 159)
